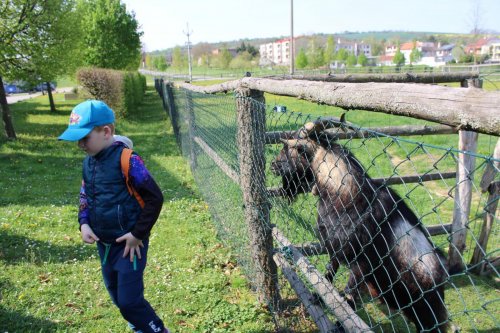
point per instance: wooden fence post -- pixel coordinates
(467, 141)
(169, 93)
(191, 129)
(251, 115)
(493, 188)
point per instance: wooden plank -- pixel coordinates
(393, 180)
(233, 175)
(489, 218)
(439, 229)
(315, 311)
(444, 105)
(491, 170)
(463, 195)
(432, 78)
(280, 192)
(331, 297)
(405, 130)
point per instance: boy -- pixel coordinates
(111, 216)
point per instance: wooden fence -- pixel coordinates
(467, 111)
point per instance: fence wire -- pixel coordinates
(359, 245)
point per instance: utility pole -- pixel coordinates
(292, 44)
(188, 33)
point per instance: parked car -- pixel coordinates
(22, 87)
(12, 89)
(43, 86)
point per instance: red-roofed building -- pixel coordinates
(475, 48)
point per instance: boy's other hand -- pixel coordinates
(88, 235)
(132, 246)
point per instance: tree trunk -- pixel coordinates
(7, 119)
(51, 98)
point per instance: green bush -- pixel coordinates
(122, 91)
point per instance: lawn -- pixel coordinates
(50, 281)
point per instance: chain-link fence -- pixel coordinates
(343, 228)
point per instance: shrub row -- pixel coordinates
(122, 91)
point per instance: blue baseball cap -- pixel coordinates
(84, 117)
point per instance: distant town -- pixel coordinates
(335, 51)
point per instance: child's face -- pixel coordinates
(96, 140)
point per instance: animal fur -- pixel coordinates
(367, 227)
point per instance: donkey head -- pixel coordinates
(293, 162)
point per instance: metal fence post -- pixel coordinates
(251, 143)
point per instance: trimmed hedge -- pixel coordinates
(122, 91)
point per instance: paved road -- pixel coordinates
(14, 98)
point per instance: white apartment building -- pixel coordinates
(278, 52)
(354, 47)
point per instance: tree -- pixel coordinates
(301, 59)
(377, 47)
(342, 55)
(399, 58)
(329, 53)
(315, 54)
(37, 41)
(225, 58)
(415, 54)
(475, 19)
(111, 35)
(351, 60)
(159, 62)
(178, 60)
(362, 60)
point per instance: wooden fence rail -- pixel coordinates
(469, 109)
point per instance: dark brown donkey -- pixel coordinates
(367, 227)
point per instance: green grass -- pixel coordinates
(50, 281)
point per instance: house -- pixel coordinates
(492, 49)
(443, 53)
(386, 60)
(476, 47)
(427, 51)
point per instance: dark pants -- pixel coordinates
(124, 281)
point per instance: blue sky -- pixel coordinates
(164, 21)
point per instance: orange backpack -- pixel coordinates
(125, 164)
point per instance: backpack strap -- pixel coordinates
(125, 164)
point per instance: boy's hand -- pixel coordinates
(132, 246)
(88, 235)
